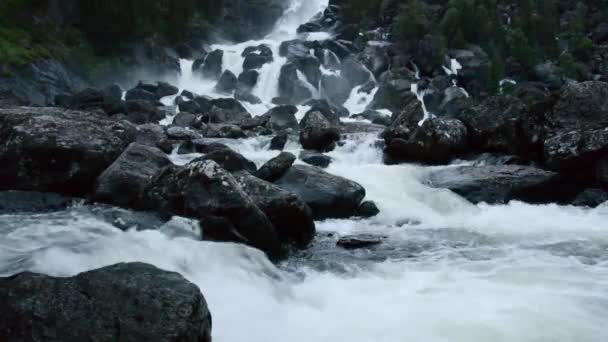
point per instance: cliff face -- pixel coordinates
(249, 19)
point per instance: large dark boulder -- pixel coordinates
(204, 190)
(278, 142)
(227, 83)
(212, 66)
(291, 87)
(282, 118)
(336, 89)
(247, 80)
(227, 110)
(498, 183)
(315, 158)
(13, 202)
(276, 167)
(123, 302)
(291, 217)
(327, 195)
(331, 113)
(49, 149)
(434, 141)
(141, 112)
(140, 94)
(229, 159)
(591, 198)
(107, 99)
(123, 182)
(394, 90)
(577, 135)
(355, 72)
(317, 133)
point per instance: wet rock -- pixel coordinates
(601, 171)
(200, 146)
(165, 89)
(13, 202)
(106, 99)
(368, 209)
(153, 135)
(591, 198)
(55, 150)
(150, 304)
(141, 112)
(359, 241)
(435, 141)
(317, 133)
(394, 91)
(290, 216)
(123, 182)
(498, 183)
(246, 97)
(355, 72)
(336, 89)
(315, 158)
(244, 20)
(279, 141)
(248, 79)
(229, 159)
(375, 117)
(376, 58)
(227, 110)
(140, 94)
(184, 119)
(291, 87)
(329, 112)
(181, 133)
(276, 167)
(550, 74)
(227, 131)
(503, 124)
(212, 67)
(204, 190)
(577, 136)
(282, 118)
(475, 64)
(227, 83)
(327, 195)
(189, 106)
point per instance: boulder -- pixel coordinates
(276, 167)
(368, 209)
(359, 241)
(279, 141)
(503, 124)
(336, 89)
(141, 112)
(328, 196)
(291, 87)
(107, 99)
(153, 135)
(14, 202)
(256, 61)
(475, 69)
(498, 183)
(434, 141)
(204, 190)
(227, 83)
(184, 119)
(229, 159)
(394, 90)
(227, 131)
(227, 110)
(329, 112)
(181, 133)
(315, 158)
(290, 216)
(248, 79)
(165, 89)
(127, 302)
(141, 94)
(282, 118)
(577, 136)
(355, 72)
(317, 133)
(375, 117)
(64, 151)
(212, 66)
(123, 182)
(591, 198)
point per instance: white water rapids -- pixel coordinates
(448, 270)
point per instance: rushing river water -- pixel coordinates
(447, 270)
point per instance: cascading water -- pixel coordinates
(447, 270)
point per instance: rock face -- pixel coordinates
(497, 183)
(203, 190)
(124, 302)
(123, 182)
(434, 141)
(49, 149)
(327, 195)
(276, 167)
(291, 217)
(578, 133)
(12, 202)
(249, 19)
(317, 133)
(315, 158)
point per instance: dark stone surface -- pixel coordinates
(327, 195)
(123, 302)
(276, 167)
(50, 149)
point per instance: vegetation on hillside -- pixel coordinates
(32, 29)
